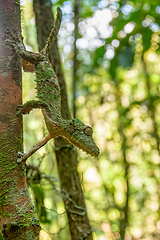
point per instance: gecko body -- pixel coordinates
(49, 98)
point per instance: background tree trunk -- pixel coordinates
(65, 153)
(17, 217)
(75, 60)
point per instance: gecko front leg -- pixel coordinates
(25, 109)
(29, 106)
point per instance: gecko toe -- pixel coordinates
(20, 157)
(19, 110)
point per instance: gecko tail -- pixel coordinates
(54, 32)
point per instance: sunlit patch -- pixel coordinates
(93, 28)
(151, 56)
(158, 9)
(154, 27)
(91, 32)
(121, 34)
(109, 54)
(145, 23)
(44, 235)
(91, 175)
(127, 9)
(115, 43)
(137, 232)
(128, 28)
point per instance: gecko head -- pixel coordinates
(80, 135)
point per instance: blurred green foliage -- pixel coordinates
(117, 93)
(1, 238)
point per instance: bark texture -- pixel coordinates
(66, 154)
(17, 217)
(75, 60)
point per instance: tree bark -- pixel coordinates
(65, 153)
(75, 60)
(17, 217)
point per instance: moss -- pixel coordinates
(47, 84)
(10, 195)
(17, 2)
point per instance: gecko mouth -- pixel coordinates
(91, 149)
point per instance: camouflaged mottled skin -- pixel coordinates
(49, 97)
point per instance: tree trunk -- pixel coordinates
(17, 217)
(65, 153)
(75, 60)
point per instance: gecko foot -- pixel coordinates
(11, 38)
(20, 157)
(22, 110)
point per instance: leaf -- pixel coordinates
(38, 192)
(1, 238)
(98, 55)
(113, 67)
(125, 57)
(146, 39)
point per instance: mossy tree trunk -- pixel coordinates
(66, 154)
(17, 217)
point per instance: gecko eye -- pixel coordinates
(88, 131)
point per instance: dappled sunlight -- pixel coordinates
(91, 176)
(44, 235)
(128, 28)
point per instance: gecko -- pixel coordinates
(48, 98)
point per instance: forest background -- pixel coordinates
(115, 89)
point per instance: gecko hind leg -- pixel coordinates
(29, 106)
(24, 156)
(16, 42)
